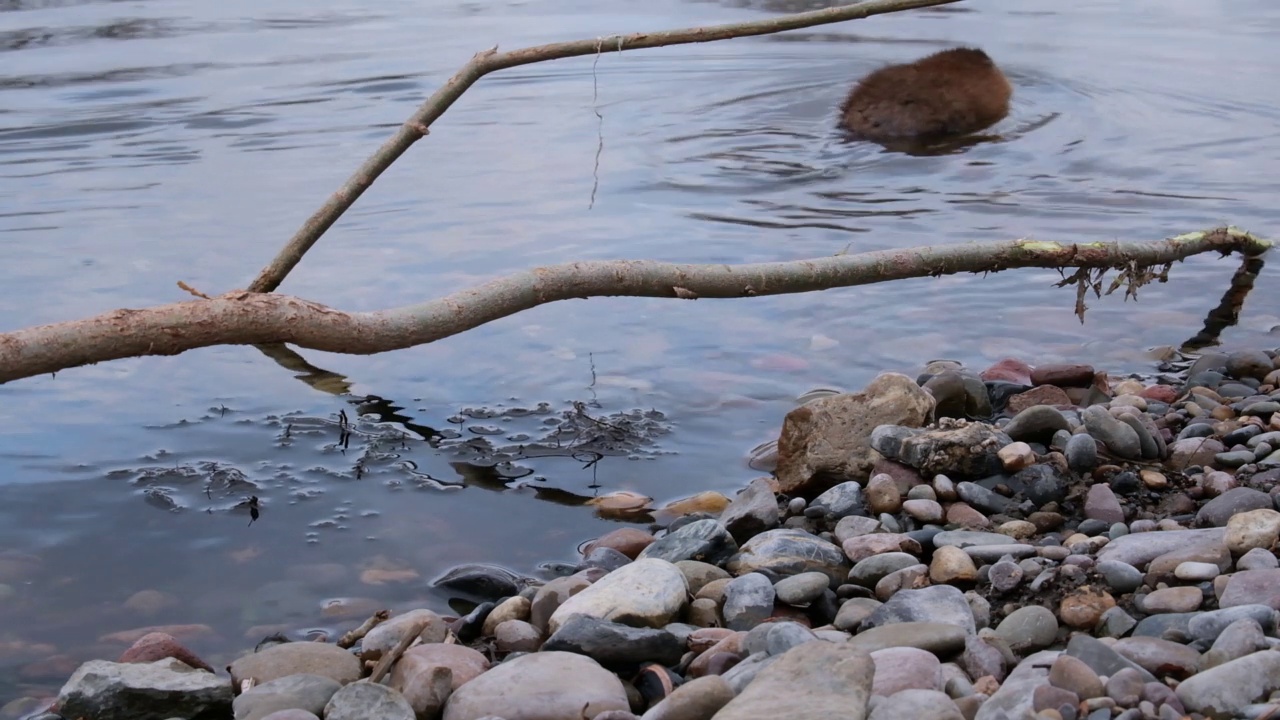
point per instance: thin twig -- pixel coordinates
(483, 63)
(354, 636)
(384, 665)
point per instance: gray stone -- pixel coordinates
(1042, 484)
(704, 540)
(697, 699)
(1240, 638)
(1252, 587)
(869, 571)
(143, 691)
(1119, 438)
(1014, 699)
(303, 692)
(279, 661)
(783, 636)
(1031, 627)
(741, 675)
(1257, 559)
(1166, 626)
(814, 681)
(941, 639)
(550, 597)
(918, 705)
(802, 589)
(1081, 453)
(1223, 691)
(748, 601)
(840, 501)
(855, 525)
(1005, 575)
(969, 538)
(1206, 626)
(937, 603)
(983, 499)
(612, 644)
(1115, 622)
(1037, 423)
(1149, 439)
(753, 511)
(1219, 510)
(362, 700)
(485, 582)
(968, 450)
(981, 658)
(1187, 452)
(1120, 576)
(785, 551)
(1159, 657)
(1138, 549)
(1101, 658)
(647, 593)
(539, 686)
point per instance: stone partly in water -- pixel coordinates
(647, 593)
(784, 552)
(540, 686)
(813, 681)
(827, 439)
(143, 691)
(752, 512)
(482, 581)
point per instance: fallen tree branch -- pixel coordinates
(239, 318)
(412, 130)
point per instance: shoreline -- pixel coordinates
(1038, 542)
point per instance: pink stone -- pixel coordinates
(1160, 393)
(158, 646)
(1063, 375)
(1009, 370)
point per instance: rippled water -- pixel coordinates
(146, 143)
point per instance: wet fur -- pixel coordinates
(949, 93)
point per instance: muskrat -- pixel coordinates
(952, 92)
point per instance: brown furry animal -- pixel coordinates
(953, 92)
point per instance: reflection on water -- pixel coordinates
(144, 143)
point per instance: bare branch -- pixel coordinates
(270, 277)
(258, 318)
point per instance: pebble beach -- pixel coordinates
(1046, 542)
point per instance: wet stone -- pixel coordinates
(1081, 453)
(840, 501)
(786, 552)
(753, 511)
(704, 540)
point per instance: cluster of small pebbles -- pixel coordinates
(1020, 542)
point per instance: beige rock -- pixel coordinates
(883, 495)
(830, 437)
(1017, 529)
(1084, 607)
(1016, 456)
(952, 565)
(813, 681)
(513, 608)
(1252, 529)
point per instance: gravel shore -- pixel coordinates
(1037, 542)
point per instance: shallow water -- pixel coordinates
(144, 143)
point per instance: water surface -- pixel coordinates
(146, 143)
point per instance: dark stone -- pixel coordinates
(1126, 483)
(753, 511)
(1042, 484)
(704, 540)
(1102, 659)
(1082, 453)
(486, 582)
(471, 626)
(1037, 423)
(1219, 510)
(1166, 626)
(613, 644)
(605, 558)
(840, 501)
(983, 499)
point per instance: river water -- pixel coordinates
(146, 143)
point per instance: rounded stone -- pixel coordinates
(1028, 628)
(950, 564)
(748, 601)
(883, 495)
(1183, 599)
(1084, 607)
(649, 592)
(1253, 529)
(925, 511)
(539, 685)
(802, 589)
(787, 551)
